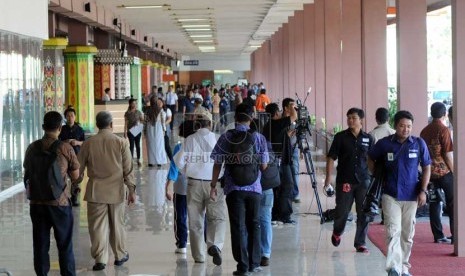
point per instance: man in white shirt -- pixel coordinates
(383, 129)
(197, 94)
(193, 160)
(171, 103)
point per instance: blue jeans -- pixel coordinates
(266, 204)
(60, 218)
(295, 167)
(180, 220)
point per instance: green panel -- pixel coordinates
(136, 85)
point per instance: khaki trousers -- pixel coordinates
(106, 223)
(200, 208)
(399, 220)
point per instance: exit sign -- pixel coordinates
(193, 62)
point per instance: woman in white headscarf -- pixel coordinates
(156, 127)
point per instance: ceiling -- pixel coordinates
(236, 25)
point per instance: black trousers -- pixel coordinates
(344, 201)
(282, 209)
(60, 218)
(447, 184)
(134, 141)
(244, 220)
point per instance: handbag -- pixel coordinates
(270, 177)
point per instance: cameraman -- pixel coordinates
(278, 131)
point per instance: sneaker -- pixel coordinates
(180, 250)
(274, 222)
(442, 240)
(362, 249)
(215, 252)
(256, 269)
(335, 239)
(265, 261)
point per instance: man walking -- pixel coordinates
(439, 141)
(383, 128)
(242, 187)
(172, 104)
(350, 147)
(51, 212)
(193, 160)
(403, 193)
(111, 180)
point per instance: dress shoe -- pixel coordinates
(362, 249)
(265, 261)
(215, 252)
(123, 260)
(98, 266)
(242, 273)
(393, 272)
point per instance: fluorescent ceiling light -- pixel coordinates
(193, 19)
(141, 6)
(203, 41)
(207, 51)
(201, 36)
(223, 71)
(255, 46)
(196, 26)
(207, 47)
(196, 30)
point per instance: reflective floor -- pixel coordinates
(303, 249)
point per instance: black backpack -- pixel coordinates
(43, 175)
(243, 162)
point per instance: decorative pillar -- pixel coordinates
(54, 79)
(104, 77)
(136, 82)
(146, 69)
(153, 75)
(79, 66)
(122, 81)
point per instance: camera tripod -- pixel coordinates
(304, 148)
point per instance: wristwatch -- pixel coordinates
(424, 191)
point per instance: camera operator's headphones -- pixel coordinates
(329, 191)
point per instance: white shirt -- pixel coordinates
(381, 131)
(198, 96)
(193, 160)
(171, 98)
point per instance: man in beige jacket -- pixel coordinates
(109, 168)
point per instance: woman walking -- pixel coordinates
(132, 118)
(155, 118)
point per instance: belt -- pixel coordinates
(203, 180)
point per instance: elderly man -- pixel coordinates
(193, 160)
(109, 167)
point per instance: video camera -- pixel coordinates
(303, 115)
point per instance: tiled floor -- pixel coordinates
(303, 249)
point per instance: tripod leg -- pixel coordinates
(311, 172)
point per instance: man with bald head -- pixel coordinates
(111, 181)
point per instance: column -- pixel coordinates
(333, 59)
(146, 70)
(79, 66)
(309, 56)
(374, 80)
(136, 88)
(458, 59)
(104, 77)
(54, 77)
(320, 67)
(411, 60)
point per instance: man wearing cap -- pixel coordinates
(437, 137)
(193, 160)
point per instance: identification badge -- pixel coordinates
(390, 156)
(366, 140)
(412, 155)
(346, 187)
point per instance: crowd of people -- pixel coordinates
(215, 178)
